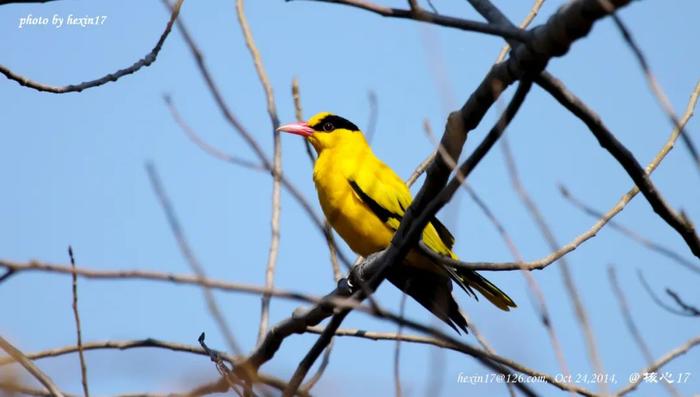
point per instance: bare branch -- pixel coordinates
(373, 115)
(225, 372)
(245, 134)
(626, 159)
(665, 251)
(3, 2)
(120, 345)
(420, 169)
(143, 62)
(605, 138)
(190, 257)
(567, 277)
(328, 231)
(443, 340)
(668, 357)
(524, 24)
(273, 251)
(422, 15)
(319, 372)
(397, 350)
(532, 283)
(692, 310)
(378, 277)
(585, 236)
(78, 329)
(209, 149)
(656, 299)
(151, 343)
(657, 89)
(155, 276)
(632, 327)
(299, 115)
(322, 343)
(30, 367)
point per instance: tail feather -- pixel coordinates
(486, 288)
(433, 291)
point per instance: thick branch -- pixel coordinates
(571, 22)
(607, 140)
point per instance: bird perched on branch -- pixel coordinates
(364, 200)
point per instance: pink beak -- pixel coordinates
(298, 128)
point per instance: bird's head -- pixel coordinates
(325, 130)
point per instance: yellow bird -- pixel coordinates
(364, 200)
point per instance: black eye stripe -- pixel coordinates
(337, 122)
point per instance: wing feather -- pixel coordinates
(387, 196)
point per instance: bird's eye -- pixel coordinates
(328, 126)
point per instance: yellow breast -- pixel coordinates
(349, 216)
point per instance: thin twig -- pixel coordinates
(245, 134)
(420, 169)
(197, 140)
(325, 360)
(656, 88)
(524, 24)
(151, 343)
(190, 257)
(143, 62)
(440, 339)
(8, 274)
(657, 300)
(673, 354)
(299, 115)
(627, 232)
(373, 116)
(321, 343)
(532, 283)
(332, 248)
(430, 17)
(435, 205)
(397, 350)
(156, 276)
(632, 327)
(299, 320)
(225, 372)
(605, 137)
(78, 328)
(273, 251)
(38, 374)
(585, 236)
(567, 277)
(691, 310)
(626, 159)
(581, 14)
(148, 343)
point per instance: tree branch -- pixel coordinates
(605, 219)
(30, 367)
(632, 327)
(273, 251)
(430, 17)
(668, 357)
(143, 62)
(656, 88)
(78, 330)
(607, 140)
(190, 257)
(626, 231)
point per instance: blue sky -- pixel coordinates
(72, 171)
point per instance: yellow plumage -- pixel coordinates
(364, 200)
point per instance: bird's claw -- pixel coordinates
(345, 286)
